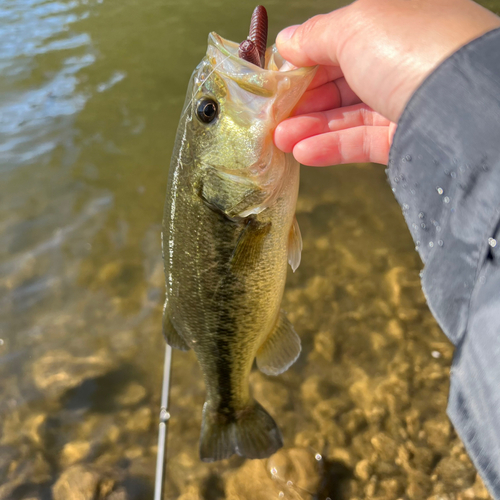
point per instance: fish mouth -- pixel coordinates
(274, 63)
(230, 50)
(284, 85)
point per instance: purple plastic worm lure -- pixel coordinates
(253, 49)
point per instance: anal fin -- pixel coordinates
(171, 334)
(281, 348)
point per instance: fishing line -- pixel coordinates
(203, 83)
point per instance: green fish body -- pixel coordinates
(229, 229)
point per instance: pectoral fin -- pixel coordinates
(281, 348)
(294, 245)
(170, 333)
(249, 246)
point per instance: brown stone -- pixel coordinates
(57, 371)
(76, 483)
(74, 452)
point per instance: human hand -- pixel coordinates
(372, 56)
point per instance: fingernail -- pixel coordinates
(287, 33)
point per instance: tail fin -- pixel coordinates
(251, 434)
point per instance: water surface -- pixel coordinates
(90, 95)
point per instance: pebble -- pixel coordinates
(140, 420)
(119, 494)
(438, 431)
(385, 446)
(269, 392)
(35, 428)
(363, 470)
(134, 393)
(454, 473)
(76, 483)
(419, 485)
(313, 389)
(294, 471)
(73, 452)
(324, 345)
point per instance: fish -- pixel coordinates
(228, 231)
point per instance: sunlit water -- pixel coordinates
(90, 94)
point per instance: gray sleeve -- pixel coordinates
(444, 168)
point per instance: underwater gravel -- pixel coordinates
(362, 411)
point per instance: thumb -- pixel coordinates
(311, 43)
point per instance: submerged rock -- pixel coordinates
(289, 473)
(7, 489)
(57, 371)
(76, 483)
(119, 494)
(454, 474)
(269, 392)
(134, 393)
(74, 452)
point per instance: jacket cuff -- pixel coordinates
(444, 168)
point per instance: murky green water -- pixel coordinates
(90, 94)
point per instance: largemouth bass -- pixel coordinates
(229, 229)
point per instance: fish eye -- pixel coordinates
(207, 110)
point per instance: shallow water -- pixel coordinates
(90, 94)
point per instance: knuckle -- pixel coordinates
(308, 30)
